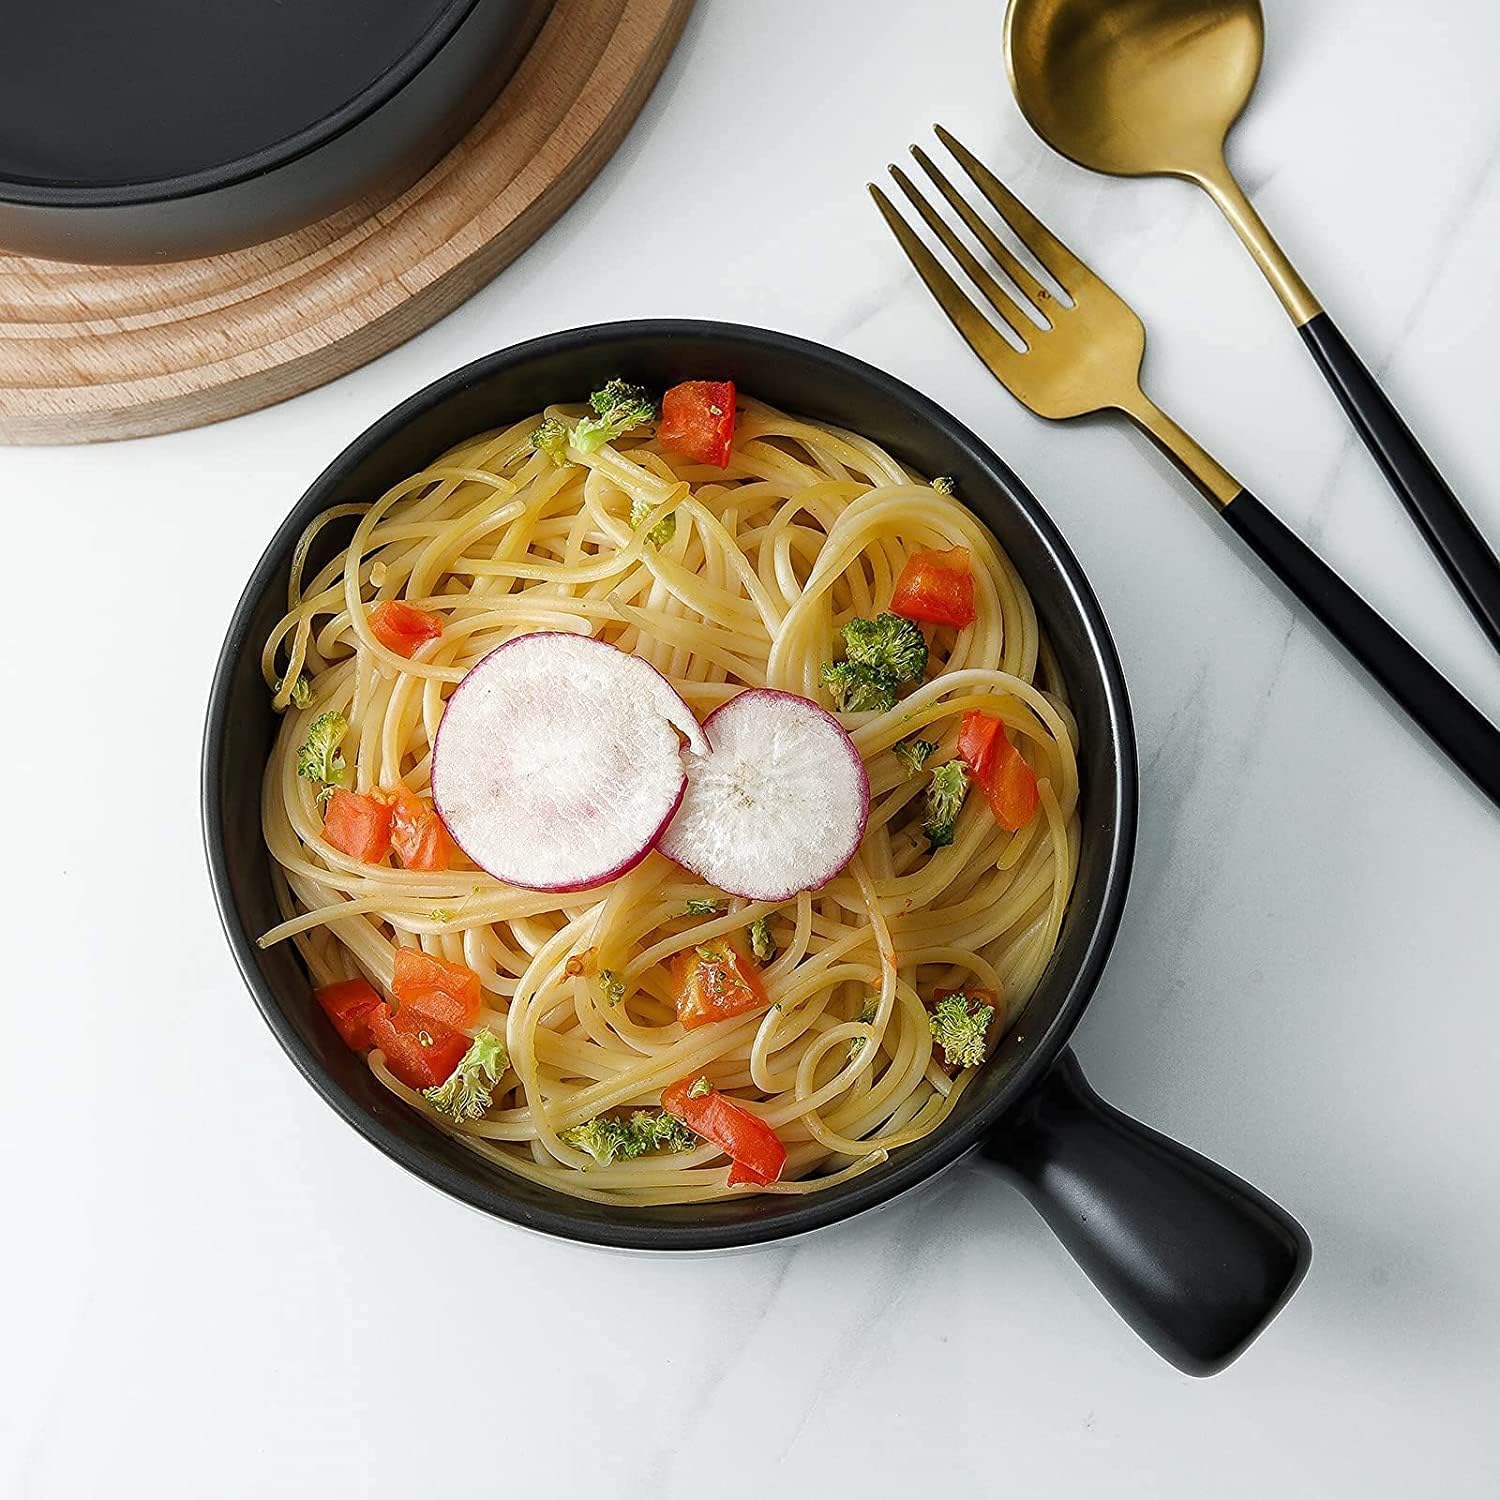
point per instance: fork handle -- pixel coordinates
(1434, 704)
(1445, 525)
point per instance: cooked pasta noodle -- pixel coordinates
(807, 527)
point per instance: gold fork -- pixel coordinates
(1087, 358)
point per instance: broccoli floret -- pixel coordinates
(612, 986)
(664, 530)
(699, 1087)
(656, 1130)
(762, 944)
(867, 1013)
(319, 757)
(618, 408)
(913, 754)
(551, 438)
(889, 643)
(609, 1136)
(300, 695)
(945, 484)
(879, 655)
(466, 1095)
(945, 796)
(603, 1139)
(960, 1027)
(706, 908)
(858, 689)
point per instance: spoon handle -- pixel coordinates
(1432, 702)
(1443, 522)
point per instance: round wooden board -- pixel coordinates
(93, 352)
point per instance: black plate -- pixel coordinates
(147, 129)
(828, 387)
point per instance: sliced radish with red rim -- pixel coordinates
(777, 806)
(559, 761)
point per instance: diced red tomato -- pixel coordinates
(358, 825)
(976, 741)
(937, 588)
(755, 1151)
(697, 420)
(420, 1051)
(1011, 788)
(418, 834)
(434, 988)
(1008, 783)
(741, 1172)
(350, 1005)
(714, 982)
(402, 627)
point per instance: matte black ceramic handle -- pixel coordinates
(1444, 523)
(1194, 1259)
(1434, 704)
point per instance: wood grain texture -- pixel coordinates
(96, 352)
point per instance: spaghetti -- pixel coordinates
(806, 528)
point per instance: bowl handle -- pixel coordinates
(1194, 1259)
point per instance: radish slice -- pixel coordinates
(559, 760)
(780, 803)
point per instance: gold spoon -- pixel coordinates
(1142, 88)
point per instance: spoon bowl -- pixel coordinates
(1141, 88)
(1135, 88)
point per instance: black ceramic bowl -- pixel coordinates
(1196, 1259)
(147, 130)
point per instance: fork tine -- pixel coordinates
(1066, 269)
(982, 336)
(994, 293)
(1001, 253)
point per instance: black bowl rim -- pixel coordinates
(225, 174)
(927, 1157)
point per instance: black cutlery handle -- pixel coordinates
(1443, 522)
(1434, 704)
(1194, 1259)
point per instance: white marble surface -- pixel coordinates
(213, 1287)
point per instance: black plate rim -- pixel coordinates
(310, 138)
(926, 1158)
